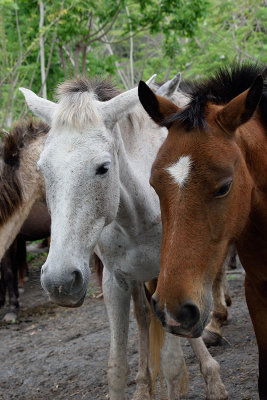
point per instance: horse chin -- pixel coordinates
(194, 333)
(66, 301)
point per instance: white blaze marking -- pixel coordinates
(180, 170)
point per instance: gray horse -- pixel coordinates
(96, 163)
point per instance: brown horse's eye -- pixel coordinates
(223, 190)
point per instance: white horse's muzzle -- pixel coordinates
(67, 287)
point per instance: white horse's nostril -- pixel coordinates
(66, 284)
(43, 269)
(77, 282)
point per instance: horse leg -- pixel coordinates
(226, 289)
(117, 300)
(210, 370)
(11, 279)
(2, 285)
(173, 365)
(142, 315)
(212, 334)
(22, 261)
(232, 258)
(257, 305)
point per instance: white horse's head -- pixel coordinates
(81, 170)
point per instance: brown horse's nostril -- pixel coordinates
(157, 311)
(153, 304)
(188, 315)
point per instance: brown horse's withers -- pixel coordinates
(210, 175)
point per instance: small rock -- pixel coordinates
(10, 317)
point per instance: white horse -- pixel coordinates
(96, 163)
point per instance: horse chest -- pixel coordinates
(135, 258)
(252, 247)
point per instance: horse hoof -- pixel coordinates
(10, 318)
(211, 338)
(225, 397)
(142, 392)
(21, 290)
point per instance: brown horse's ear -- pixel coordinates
(241, 108)
(157, 107)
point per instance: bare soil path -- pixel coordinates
(58, 353)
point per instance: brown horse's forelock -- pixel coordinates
(11, 189)
(225, 85)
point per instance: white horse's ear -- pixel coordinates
(170, 87)
(114, 109)
(41, 107)
(151, 80)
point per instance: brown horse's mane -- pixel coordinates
(11, 193)
(226, 84)
(104, 90)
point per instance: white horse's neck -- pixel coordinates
(139, 141)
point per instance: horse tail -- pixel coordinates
(184, 384)
(156, 341)
(98, 268)
(156, 337)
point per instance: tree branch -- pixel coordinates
(32, 45)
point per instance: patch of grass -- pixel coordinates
(38, 260)
(36, 241)
(231, 277)
(90, 290)
(31, 256)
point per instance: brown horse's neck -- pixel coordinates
(33, 190)
(252, 138)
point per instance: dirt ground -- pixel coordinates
(59, 353)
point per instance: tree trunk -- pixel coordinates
(84, 54)
(131, 50)
(42, 52)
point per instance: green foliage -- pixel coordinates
(125, 39)
(233, 31)
(31, 256)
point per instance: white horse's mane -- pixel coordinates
(77, 106)
(77, 110)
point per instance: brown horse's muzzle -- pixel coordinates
(186, 321)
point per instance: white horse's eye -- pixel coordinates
(103, 168)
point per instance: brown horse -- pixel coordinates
(210, 175)
(22, 201)
(21, 185)
(14, 262)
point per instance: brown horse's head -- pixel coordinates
(204, 187)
